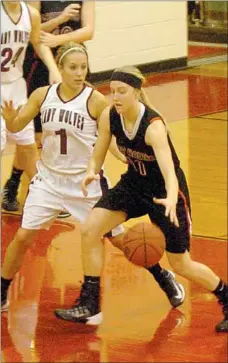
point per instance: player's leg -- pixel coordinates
(41, 208)
(13, 260)
(173, 289)
(203, 276)
(116, 206)
(101, 220)
(3, 135)
(24, 160)
(26, 151)
(166, 278)
(178, 246)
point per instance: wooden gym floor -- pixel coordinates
(139, 324)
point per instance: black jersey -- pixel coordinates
(142, 163)
(52, 9)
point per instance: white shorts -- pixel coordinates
(50, 193)
(17, 92)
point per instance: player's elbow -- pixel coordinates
(89, 33)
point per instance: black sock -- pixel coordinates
(5, 283)
(157, 271)
(16, 175)
(221, 291)
(92, 280)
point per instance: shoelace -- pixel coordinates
(9, 194)
(78, 311)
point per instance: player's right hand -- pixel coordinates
(70, 12)
(8, 112)
(88, 178)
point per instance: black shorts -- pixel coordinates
(126, 196)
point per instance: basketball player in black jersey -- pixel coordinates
(62, 21)
(154, 184)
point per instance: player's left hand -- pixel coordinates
(49, 39)
(170, 209)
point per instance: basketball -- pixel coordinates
(143, 244)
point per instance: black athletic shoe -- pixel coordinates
(9, 197)
(64, 214)
(87, 308)
(222, 327)
(173, 289)
(4, 301)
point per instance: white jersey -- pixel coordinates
(68, 132)
(14, 41)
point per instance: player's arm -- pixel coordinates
(69, 12)
(114, 150)
(98, 104)
(35, 4)
(17, 118)
(78, 36)
(43, 52)
(156, 136)
(100, 150)
(102, 143)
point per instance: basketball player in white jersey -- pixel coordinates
(20, 23)
(70, 114)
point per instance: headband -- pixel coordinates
(128, 78)
(71, 49)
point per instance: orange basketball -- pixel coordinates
(143, 244)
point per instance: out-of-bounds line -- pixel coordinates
(211, 118)
(222, 239)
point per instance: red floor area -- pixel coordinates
(178, 95)
(199, 51)
(138, 326)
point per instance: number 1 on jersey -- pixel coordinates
(63, 141)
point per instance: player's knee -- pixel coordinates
(180, 265)
(89, 233)
(179, 268)
(24, 237)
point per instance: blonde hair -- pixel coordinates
(71, 47)
(142, 95)
(66, 49)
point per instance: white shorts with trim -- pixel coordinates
(17, 92)
(50, 193)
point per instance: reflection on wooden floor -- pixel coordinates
(139, 325)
